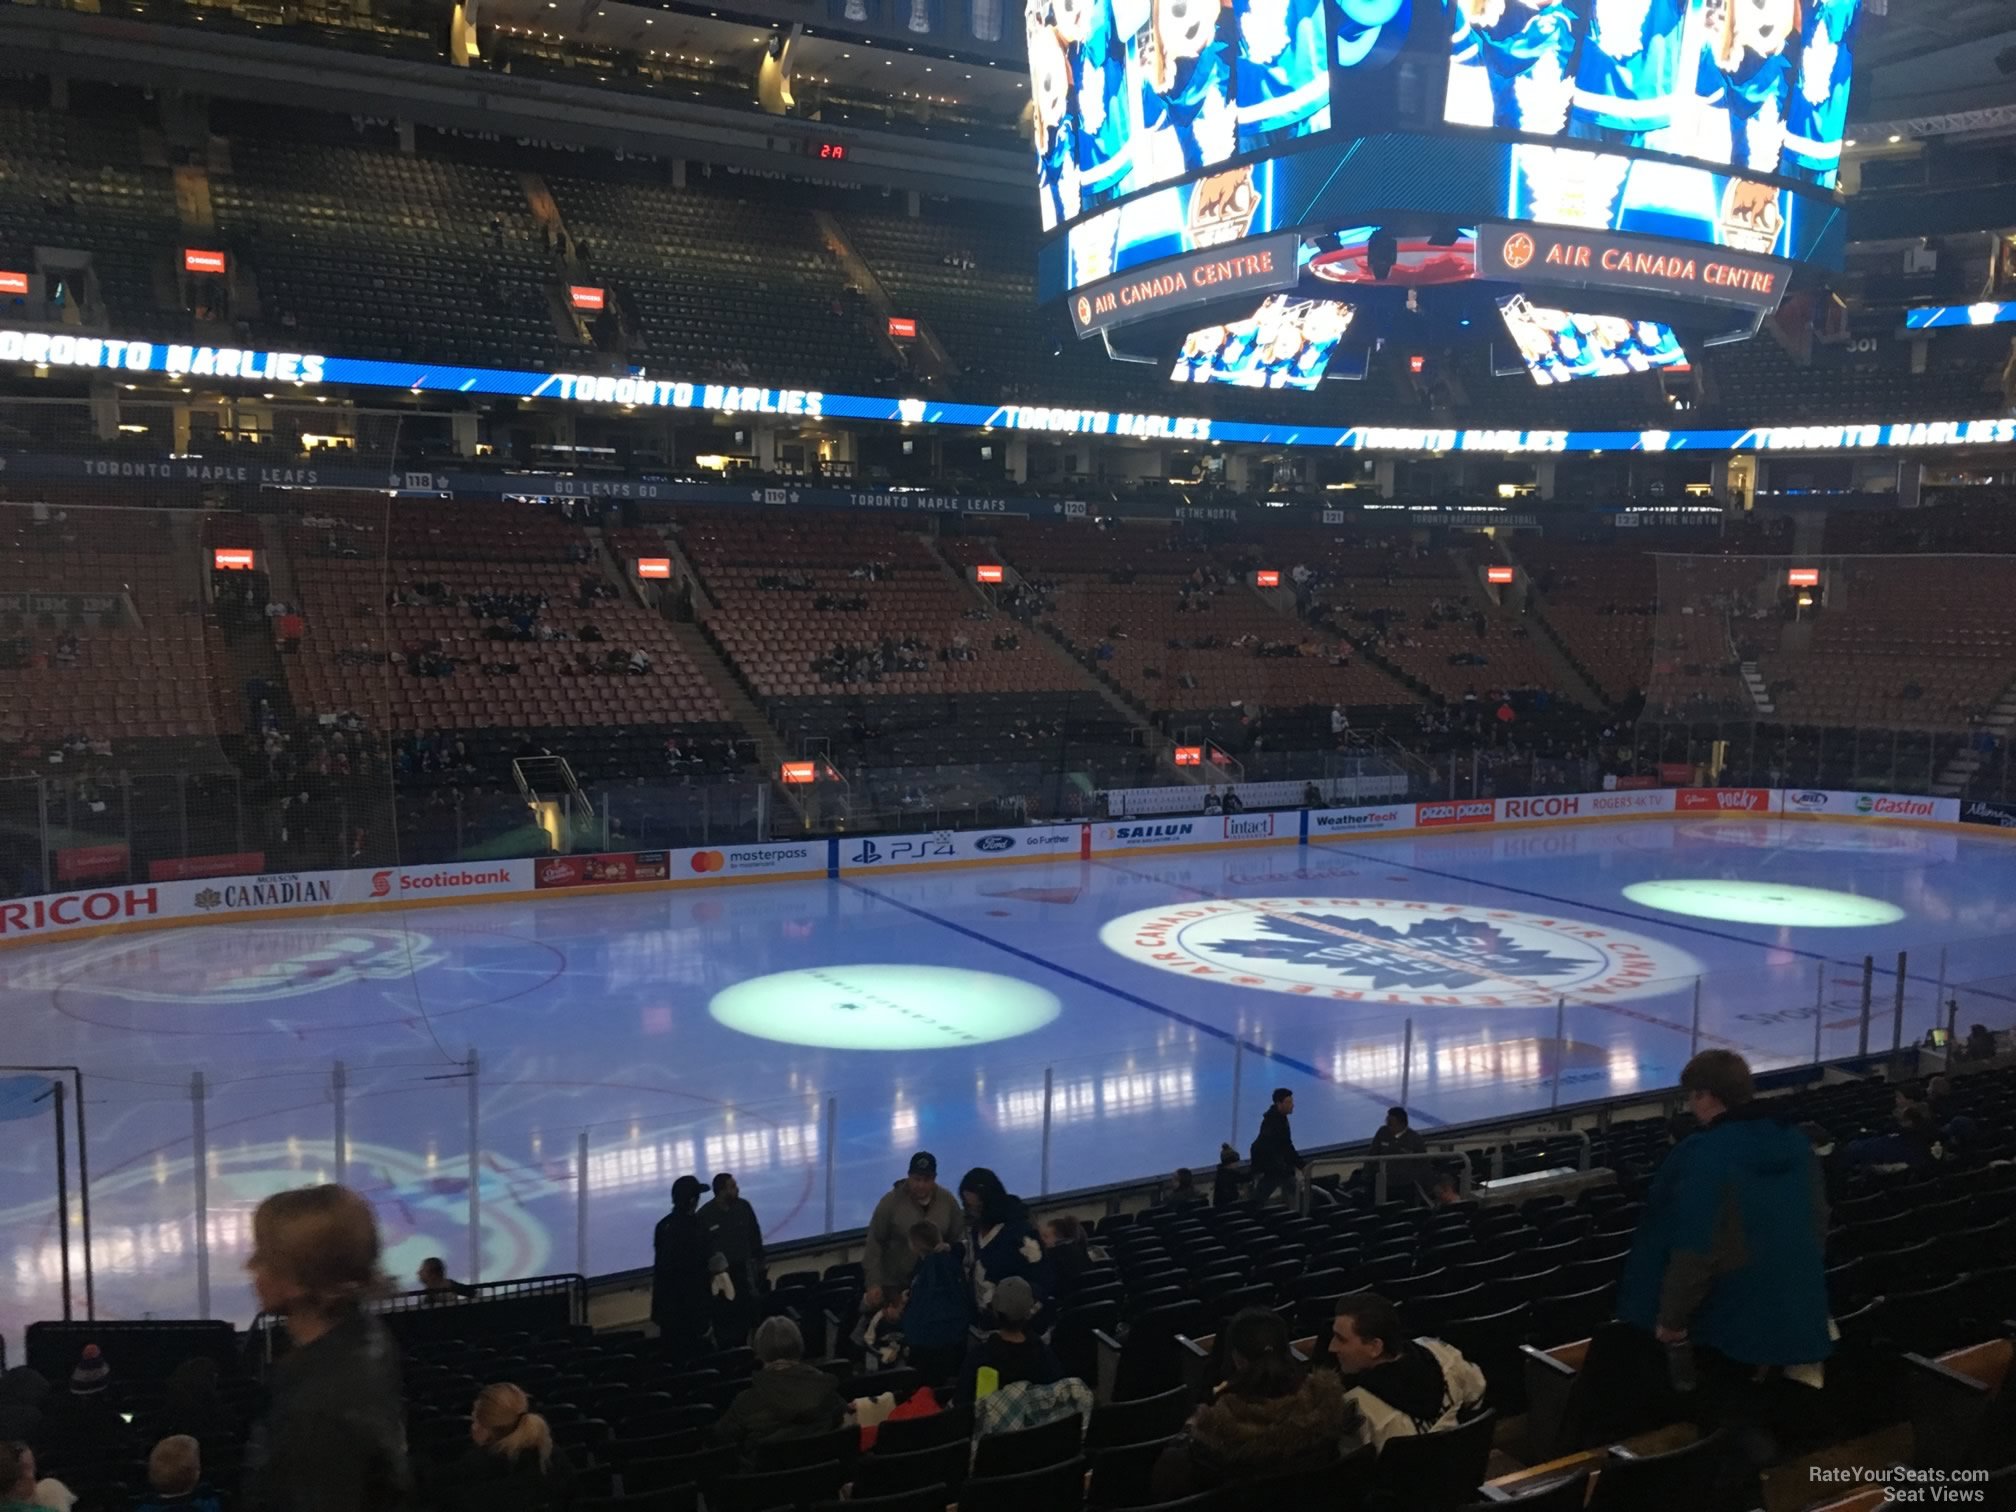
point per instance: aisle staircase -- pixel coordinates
(1958, 774)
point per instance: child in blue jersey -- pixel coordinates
(1094, 33)
(1628, 73)
(1200, 350)
(1527, 51)
(1056, 131)
(1187, 116)
(1816, 112)
(1281, 74)
(1746, 75)
(1467, 101)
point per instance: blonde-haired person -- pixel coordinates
(513, 1466)
(334, 1437)
(175, 1475)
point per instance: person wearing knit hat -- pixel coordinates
(1011, 1353)
(91, 1374)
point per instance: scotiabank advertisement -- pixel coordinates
(458, 879)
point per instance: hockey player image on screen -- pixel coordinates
(1199, 354)
(1286, 343)
(1816, 109)
(1298, 347)
(1183, 66)
(1094, 34)
(1745, 77)
(1521, 57)
(1281, 70)
(1049, 99)
(1560, 346)
(1628, 73)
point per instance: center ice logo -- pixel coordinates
(1383, 951)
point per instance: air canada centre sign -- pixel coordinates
(1268, 262)
(1542, 255)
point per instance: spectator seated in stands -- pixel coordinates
(1913, 1145)
(1980, 1043)
(1226, 1180)
(24, 1493)
(1400, 1386)
(512, 1466)
(1070, 1253)
(1273, 1416)
(175, 1477)
(191, 1404)
(786, 1398)
(1011, 1352)
(441, 1289)
(1183, 1190)
(22, 1394)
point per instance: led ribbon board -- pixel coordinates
(315, 370)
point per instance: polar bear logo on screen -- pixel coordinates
(1187, 117)
(1750, 47)
(1049, 101)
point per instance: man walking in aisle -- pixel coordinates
(1276, 1162)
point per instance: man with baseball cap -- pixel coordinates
(888, 1260)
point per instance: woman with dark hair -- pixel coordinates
(334, 1436)
(1000, 1240)
(1273, 1417)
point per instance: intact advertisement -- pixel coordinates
(1040, 842)
(1870, 805)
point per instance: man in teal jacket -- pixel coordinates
(1729, 1256)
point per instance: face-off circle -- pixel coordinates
(884, 1007)
(1772, 903)
(1375, 950)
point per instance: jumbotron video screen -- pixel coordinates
(1696, 142)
